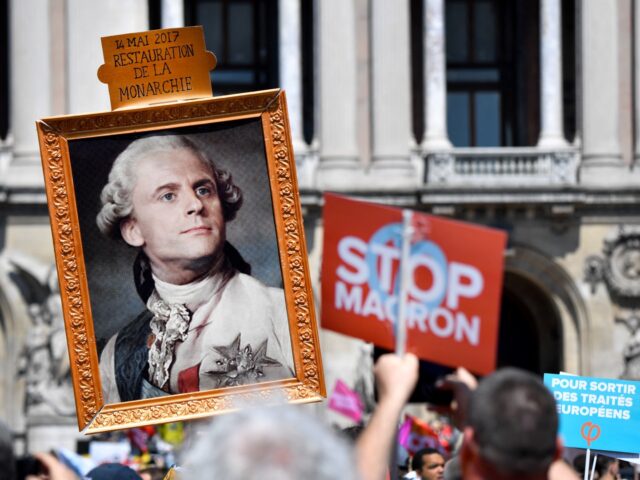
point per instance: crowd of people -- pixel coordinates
(167, 198)
(508, 423)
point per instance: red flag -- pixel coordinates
(347, 402)
(445, 434)
(416, 434)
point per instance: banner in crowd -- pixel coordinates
(597, 413)
(454, 287)
(346, 402)
(415, 434)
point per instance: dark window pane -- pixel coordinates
(263, 53)
(458, 118)
(210, 17)
(487, 113)
(308, 86)
(155, 14)
(241, 33)
(508, 133)
(569, 67)
(473, 75)
(232, 77)
(244, 36)
(457, 31)
(486, 31)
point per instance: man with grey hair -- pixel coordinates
(284, 443)
(208, 324)
(278, 443)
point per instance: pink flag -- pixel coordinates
(347, 402)
(139, 438)
(415, 434)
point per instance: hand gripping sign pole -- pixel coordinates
(401, 319)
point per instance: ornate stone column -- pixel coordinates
(602, 160)
(435, 78)
(87, 22)
(30, 89)
(337, 129)
(291, 68)
(551, 128)
(172, 13)
(391, 94)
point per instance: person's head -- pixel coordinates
(606, 468)
(167, 197)
(513, 425)
(453, 469)
(153, 473)
(113, 471)
(611, 468)
(277, 443)
(429, 463)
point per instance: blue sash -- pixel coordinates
(131, 357)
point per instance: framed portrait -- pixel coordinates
(181, 258)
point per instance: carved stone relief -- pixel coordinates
(44, 361)
(631, 350)
(622, 268)
(618, 268)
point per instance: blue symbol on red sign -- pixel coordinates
(428, 254)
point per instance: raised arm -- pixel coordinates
(396, 378)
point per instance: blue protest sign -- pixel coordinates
(597, 413)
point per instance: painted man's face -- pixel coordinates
(177, 215)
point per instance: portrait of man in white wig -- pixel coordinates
(208, 323)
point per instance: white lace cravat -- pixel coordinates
(169, 324)
(170, 306)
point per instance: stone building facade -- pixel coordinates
(523, 116)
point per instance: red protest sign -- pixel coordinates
(454, 288)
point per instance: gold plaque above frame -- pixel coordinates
(226, 162)
(155, 66)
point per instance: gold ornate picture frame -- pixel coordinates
(247, 130)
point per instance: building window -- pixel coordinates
(492, 55)
(243, 34)
(492, 72)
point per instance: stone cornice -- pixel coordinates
(575, 196)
